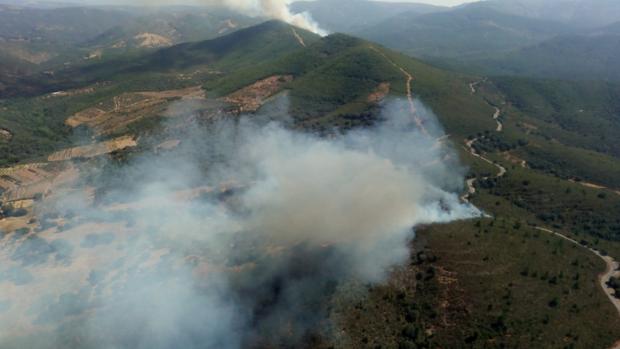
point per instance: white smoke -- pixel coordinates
(274, 9)
(228, 239)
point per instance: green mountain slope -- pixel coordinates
(335, 75)
(53, 38)
(245, 47)
(488, 281)
(59, 25)
(578, 13)
(572, 57)
(167, 27)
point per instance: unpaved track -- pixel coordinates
(611, 270)
(500, 126)
(596, 186)
(612, 266)
(472, 86)
(498, 112)
(409, 79)
(471, 188)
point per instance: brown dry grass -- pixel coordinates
(108, 117)
(252, 97)
(94, 150)
(379, 93)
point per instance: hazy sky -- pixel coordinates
(434, 2)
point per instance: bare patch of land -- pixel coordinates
(123, 110)
(94, 150)
(252, 97)
(5, 134)
(151, 40)
(22, 184)
(379, 93)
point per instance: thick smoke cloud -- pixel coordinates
(271, 9)
(235, 239)
(275, 9)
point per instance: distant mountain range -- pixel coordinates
(349, 16)
(461, 33)
(34, 38)
(577, 13)
(567, 39)
(577, 56)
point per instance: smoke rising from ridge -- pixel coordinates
(274, 9)
(235, 239)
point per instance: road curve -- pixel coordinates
(612, 266)
(500, 126)
(610, 271)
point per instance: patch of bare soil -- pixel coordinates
(409, 80)
(96, 54)
(252, 97)
(27, 55)
(120, 44)
(227, 25)
(167, 145)
(379, 93)
(196, 73)
(5, 134)
(13, 223)
(195, 92)
(108, 117)
(151, 40)
(595, 186)
(94, 150)
(77, 92)
(515, 159)
(21, 184)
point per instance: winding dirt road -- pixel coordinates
(611, 270)
(472, 86)
(613, 266)
(498, 112)
(500, 126)
(408, 88)
(471, 188)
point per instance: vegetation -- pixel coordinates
(462, 34)
(489, 282)
(614, 283)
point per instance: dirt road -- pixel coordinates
(500, 126)
(473, 85)
(612, 266)
(611, 270)
(408, 88)
(595, 186)
(471, 188)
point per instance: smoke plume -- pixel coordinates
(275, 9)
(237, 238)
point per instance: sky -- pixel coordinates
(436, 2)
(433, 2)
